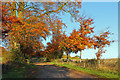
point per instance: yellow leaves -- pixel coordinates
(59, 46)
(79, 1)
(79, 46)
(46, 30)
(43, 35)
(23, 26)
(51, 3)
(34, 48)
(89, 23)
(77, 11)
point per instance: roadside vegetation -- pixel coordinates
(15, 71)
(25, 25)
(14, 65)
(90, 68)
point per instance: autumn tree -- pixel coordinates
(52, 48)
(27, 24)
(65, 45)
(52, 51)
(3, 50)
(80, 40)
(100, 42)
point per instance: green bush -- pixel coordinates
(7, 58)
(13, 56)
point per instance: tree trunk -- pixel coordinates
(98, 63)
(98, 58)
(80, 56)
(67, 56)
(54, 57)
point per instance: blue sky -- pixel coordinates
(105, 14)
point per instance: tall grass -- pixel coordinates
(90, 66)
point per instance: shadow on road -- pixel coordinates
(50, 71)
(45, 70)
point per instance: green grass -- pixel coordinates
(98, 73)
(19, 71)
(0, 58)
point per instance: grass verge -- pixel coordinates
(21, 71)
(95, 72)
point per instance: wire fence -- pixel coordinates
(105, 64)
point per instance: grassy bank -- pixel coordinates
(22, 71)
(95, 72)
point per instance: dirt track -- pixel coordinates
(46, 70)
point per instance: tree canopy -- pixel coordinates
(26, 24)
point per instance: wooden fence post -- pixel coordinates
(84, 64)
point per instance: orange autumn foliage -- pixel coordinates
(100, 42)
(30, 25)
(80, 39)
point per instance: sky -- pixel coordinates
(105, 14)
